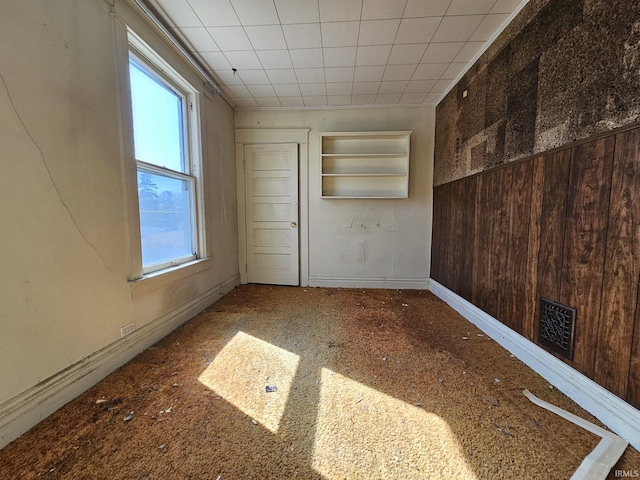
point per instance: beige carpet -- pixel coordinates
(368, 384)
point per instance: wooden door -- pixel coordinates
(271, 189)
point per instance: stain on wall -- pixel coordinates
(563, 70)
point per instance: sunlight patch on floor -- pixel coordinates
(242, 370)
(362, 430)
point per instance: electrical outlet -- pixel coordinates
(127, 329)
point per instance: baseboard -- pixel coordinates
(615, 413)
(23, 411)
(364, 282)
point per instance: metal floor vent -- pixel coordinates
(557, 325)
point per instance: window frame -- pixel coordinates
(148, 60)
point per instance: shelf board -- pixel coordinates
(365, 155)
(389, 174)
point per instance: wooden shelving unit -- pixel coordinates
(365, 164)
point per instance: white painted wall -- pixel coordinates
(376, 243)
(64, 245)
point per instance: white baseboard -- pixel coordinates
(615, 413)
(23, 411)
(364, 282)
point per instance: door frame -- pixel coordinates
(261, 136)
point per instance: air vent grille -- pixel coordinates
(557, 325)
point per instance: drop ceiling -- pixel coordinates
(334, 53)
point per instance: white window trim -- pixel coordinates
(193, 151)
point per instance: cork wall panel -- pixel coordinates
(563, 70)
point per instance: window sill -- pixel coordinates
(161, 278)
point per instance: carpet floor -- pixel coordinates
(283, 383)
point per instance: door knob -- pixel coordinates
(294, 224)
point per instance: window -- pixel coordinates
(162, 105)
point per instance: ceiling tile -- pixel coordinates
(420, 86)
(412, 98)
(387, 98)
(488, 27)
(287, 90)
(261, 90)
(282, 76)
(267, 102)
(453, 70)
(291, 101)
(370, 88)
(373, 55)
(237, 91)
(392, 87)
(339, 74)
(469, 51)
(417, 30)
(315, 100)
(339, 57)
(254, 77)
(406, 54)
(181, 14)
(505, 6)
(379, 9)
(340, 10)
(312, 89)
(432, 98)
(470, 7)
(216, 60)
(272, 59)
(399, 72)
(429, 8)
(304, 35)
(429, 71)
(310, 75)
(266, 37)
(442, 52)
(243, 60)
(198, 37)
(226, 77)
(441, 86)
(298, 11)
(230, 38)
(363, 99)
(340, 34)
(307, 58)
(246, 102)
(256, 12)
(338, 100)
(369, 74)
(378, 32)
(343, 88)
(215, 13)
(457, 29)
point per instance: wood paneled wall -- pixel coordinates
(566, 226)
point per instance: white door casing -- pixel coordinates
(271, 203)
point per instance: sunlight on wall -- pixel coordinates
(243, 368)
(374, 432)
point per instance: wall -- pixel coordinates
(562, 71)
(557, 218)
(64, 256)
(560, 226)
(378, 243)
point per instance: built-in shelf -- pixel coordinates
(365, 164)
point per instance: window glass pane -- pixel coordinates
(165, 218)
(157, 121)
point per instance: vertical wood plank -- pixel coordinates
(552, 225)
(502, 274)
(584, 249)
(437, 233)
(621, 269)
(468, 232)
(457, 235)
(533, 251)
(481, 245)
(447, 237)
(519, 217)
